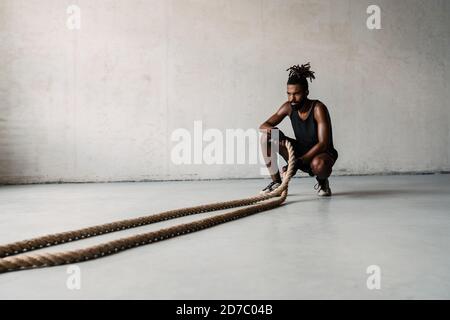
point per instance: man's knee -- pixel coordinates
(317, 164)
(272, 135)
(320, 166)
(265, 138)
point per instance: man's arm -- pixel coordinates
(276, 118)
(323, 133)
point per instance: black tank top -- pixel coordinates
(306, 130)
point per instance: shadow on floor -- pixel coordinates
(379, 193)
(386, 193)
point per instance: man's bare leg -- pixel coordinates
(321, 166)
(270, 159)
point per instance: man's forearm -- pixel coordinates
(265, 126)
(314, 151)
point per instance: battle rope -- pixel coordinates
(13, 259)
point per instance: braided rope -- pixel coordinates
(13, 259)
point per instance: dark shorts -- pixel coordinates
(299, 151)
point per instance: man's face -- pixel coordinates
(295, 93)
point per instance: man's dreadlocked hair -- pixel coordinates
(300, 74)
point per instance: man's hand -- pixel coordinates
(268, 130)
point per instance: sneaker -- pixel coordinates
(272, 186)
(323, 188)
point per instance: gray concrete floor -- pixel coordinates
(309, 248)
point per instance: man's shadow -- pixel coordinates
(379, 193)
(383, 193)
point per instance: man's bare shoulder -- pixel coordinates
(320, 104)
(285, 108)
(320, 110)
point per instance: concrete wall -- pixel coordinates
(100, 103)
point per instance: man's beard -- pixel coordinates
(301, 102)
